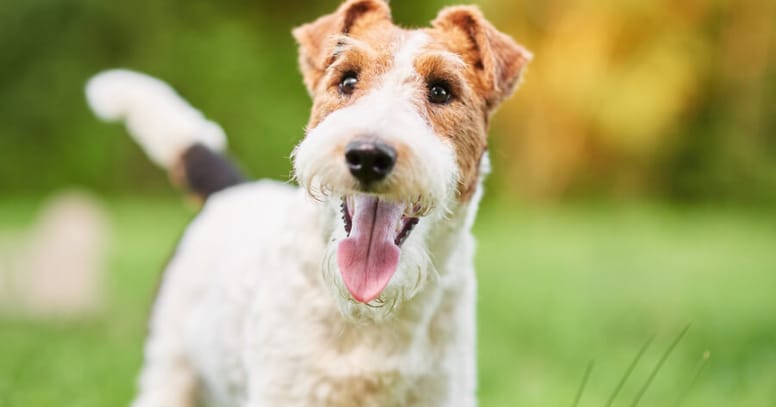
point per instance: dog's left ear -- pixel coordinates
(498, 59)
(317, 39)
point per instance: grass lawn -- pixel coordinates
(559, 288)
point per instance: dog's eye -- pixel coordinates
(439, 93)
(348, 83)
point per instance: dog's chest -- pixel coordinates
(380, 389)
(316, 364)
(294, 349)
(323, 367)
(321, 360)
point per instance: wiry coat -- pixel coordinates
(254, 309)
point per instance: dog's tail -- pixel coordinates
(173, 134)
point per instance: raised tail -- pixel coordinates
(173, 134)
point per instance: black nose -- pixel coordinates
(369, 161)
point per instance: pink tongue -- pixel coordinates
(368, 258)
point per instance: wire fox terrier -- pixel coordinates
(358, 288)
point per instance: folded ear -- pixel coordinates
(317, 39)
(498, 59)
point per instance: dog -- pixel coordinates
(356, 288)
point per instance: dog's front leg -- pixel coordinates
(167, 383)
(168, 379)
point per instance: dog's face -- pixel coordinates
(396, 137)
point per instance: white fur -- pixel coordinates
(157, 118)
(253, 307)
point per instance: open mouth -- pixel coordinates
(369, 256)
(403, 227)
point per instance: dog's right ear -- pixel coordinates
(317, 39)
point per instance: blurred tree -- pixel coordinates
(635, 98)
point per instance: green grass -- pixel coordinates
(558, 287)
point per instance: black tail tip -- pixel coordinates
(206, 172)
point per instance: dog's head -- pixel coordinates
(396, 138)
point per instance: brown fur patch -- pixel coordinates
(461, 120)
(316, 39)
(498, 60)
(494, 63)
(365, 56)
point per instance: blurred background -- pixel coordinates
(633, 192)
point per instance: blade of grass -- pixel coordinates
(701, 367)
(659, 365)
(628, 372)
(582, 386)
